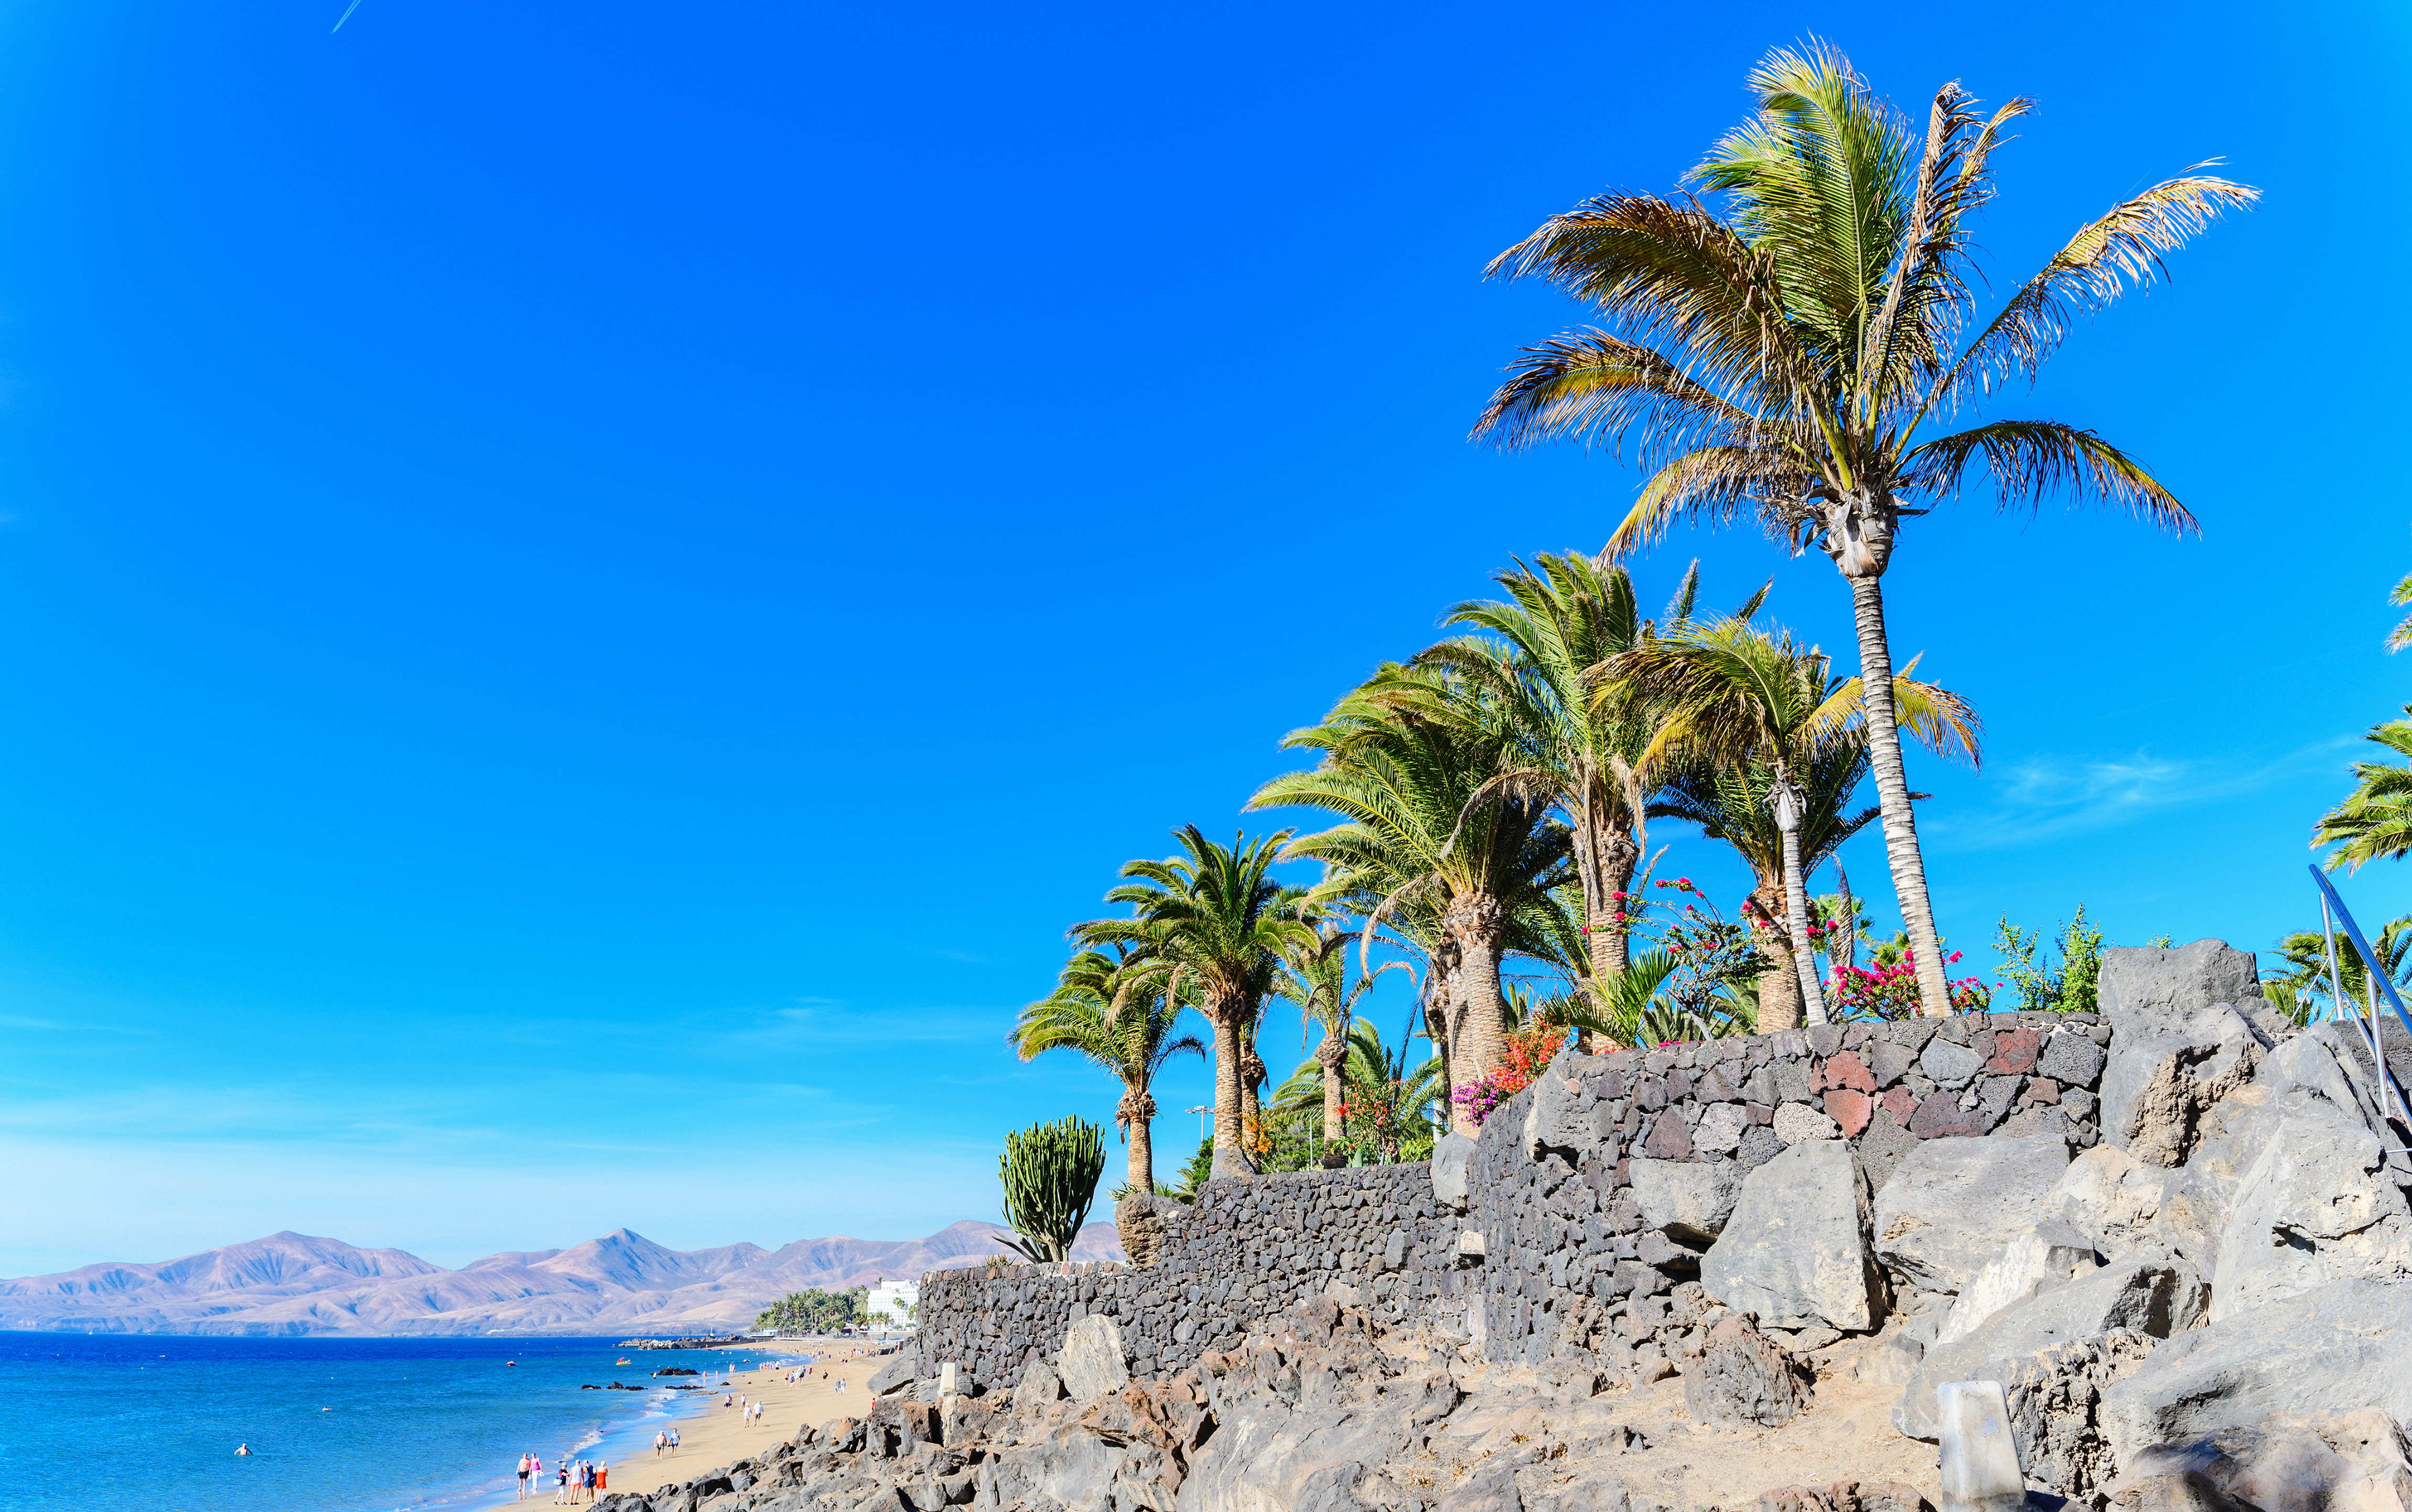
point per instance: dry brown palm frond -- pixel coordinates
(2123, 247)
(1719, 483)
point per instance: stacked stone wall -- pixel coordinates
(1563, 1244)
(1373, 1235)
(1550, 1182)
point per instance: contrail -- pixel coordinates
(346, 15)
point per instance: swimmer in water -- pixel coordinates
(243, 1449)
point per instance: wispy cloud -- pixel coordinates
(2050, 797)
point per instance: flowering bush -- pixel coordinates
(1887, 987)
(1528, 1055)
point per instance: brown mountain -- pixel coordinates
(292, 1283)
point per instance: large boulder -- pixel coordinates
(2180, 982)
(2110, 1197)
(2286, 1462)
(1952, 1203)
(1451, 1154)
(1687, 1199)
(1091, 1361)
(1741, 1378)
(2319, 1205)
(1139, 1220)
(897, 1375)
(2140, 1299)
(1795, 1250)
(2168, 1065)
(2045, 1257)
(2338, 1348)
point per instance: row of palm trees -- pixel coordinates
(1779, 350)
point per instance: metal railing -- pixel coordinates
(2334, 913)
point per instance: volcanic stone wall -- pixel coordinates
(1550, 1182)
(1548, 1188)
(1373, 1235)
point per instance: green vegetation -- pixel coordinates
(812, 1311)
(2044, 986)
(1117, 1013)
(1798, 338)
(2303, 988)
(1050, 1173)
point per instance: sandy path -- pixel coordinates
(713, 1436)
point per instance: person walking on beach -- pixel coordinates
(673, 1443)
(661, 1442)
(561, 1483)
(523, 1480)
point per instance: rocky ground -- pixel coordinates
(2208, 1310)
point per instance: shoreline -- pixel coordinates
(712, 1435)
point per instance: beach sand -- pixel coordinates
(713, 1436)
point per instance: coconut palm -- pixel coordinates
(1402, 756)
(1212, 922)
(1752, 712)
(1319, 981)
(1785, 359)
(1114, 1011)
(1564, 617)
(2375, 821)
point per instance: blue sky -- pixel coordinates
(587, 590)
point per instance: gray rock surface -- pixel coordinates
(1796, 1247)
(1741, 1377)
(2165, 1068)
(1092, 1362)
(896, 1375)
(2044, 1256)
(1450, 1153)
(2340, 1348)
(2141, 1298)
(2178, 981)
(1952, 1203)
(1688, 1200)
(2110, 1197)
(2319, 1204)
(2294, 1461)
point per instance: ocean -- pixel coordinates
(334, 1425)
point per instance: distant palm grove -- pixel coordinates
(1795, 342)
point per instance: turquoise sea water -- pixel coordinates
(335, 1425)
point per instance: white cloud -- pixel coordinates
(2049, 798)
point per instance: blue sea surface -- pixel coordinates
(334, 1425)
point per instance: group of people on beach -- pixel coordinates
(666, 1441)
(582, 1480)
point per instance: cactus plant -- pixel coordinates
(1050, 1172)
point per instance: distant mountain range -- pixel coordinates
(289, 1285)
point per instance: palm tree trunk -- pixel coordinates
(1252, 1081)
(1230, 1155)
(1892, 796)
(1142, 1173)
(1779, 991)
(1331, 1098)
(1478, 1029)
(1611, 922)
(1796, 913)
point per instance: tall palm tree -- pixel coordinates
(1783, 359)
(1114, 1011)
(2375, 821)
(1211, 922)
(1564, 617)
(1773, 743)
(1403, 755)
(1317, 980)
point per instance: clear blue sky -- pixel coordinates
(587, 589)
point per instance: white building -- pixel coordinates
(894, 1298)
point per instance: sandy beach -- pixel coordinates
(714, 1435)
